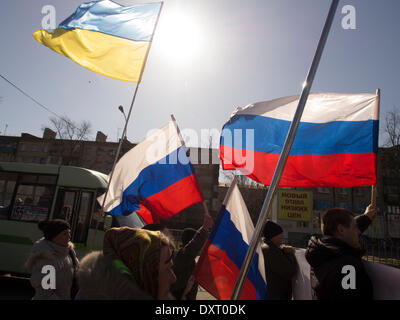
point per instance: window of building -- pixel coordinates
(302, 224)
(396, 209)
(392, 198)
(391, 189)
(358, 191)
(323, 190)
(345, 205)
(23, 147)
(342, 191)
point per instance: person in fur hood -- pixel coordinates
(56, 250)
(135, 264)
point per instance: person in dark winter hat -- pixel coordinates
(55, 250)
(52, 228)
(271, 230)
(280, 262)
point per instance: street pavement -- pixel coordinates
(16, 288)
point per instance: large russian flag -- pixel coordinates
(223, 254)
(106, 37)
(335, 145)
(155, 179)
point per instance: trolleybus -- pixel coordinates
(30, 193)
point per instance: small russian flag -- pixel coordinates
(155, 179)
(223, 254)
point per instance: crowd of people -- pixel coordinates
(144, 264)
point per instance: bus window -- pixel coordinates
(32, 203)
(82, 225)
(7, 186)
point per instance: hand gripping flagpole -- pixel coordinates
(126, 124)
(284, 154)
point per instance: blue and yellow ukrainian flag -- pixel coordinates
(106, 37)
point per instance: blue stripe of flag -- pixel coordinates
(134, 23)
(311, 138)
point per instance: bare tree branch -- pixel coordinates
(71, 135)
(393, 127)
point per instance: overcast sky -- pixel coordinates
(207, 57)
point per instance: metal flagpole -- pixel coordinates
(126, 124)
(373, 188)
(285, 152)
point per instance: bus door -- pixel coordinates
(82, 219)
(67, 201)
(75, 206)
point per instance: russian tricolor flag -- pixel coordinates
(223, 254)
(335, 145)
(155, 179)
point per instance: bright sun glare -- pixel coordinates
(180, 37)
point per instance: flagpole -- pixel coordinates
(183, 143)
(285, 152)
(126, 124)
(373, 189)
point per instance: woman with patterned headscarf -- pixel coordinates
(135, 264)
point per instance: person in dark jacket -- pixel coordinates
(280, 263)
(184, 258)
(337, 271)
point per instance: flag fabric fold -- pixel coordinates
(335, 145)
(219, 264)
(155, 179)
(106, 37)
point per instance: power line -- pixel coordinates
(27, 95)
(37, 102)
